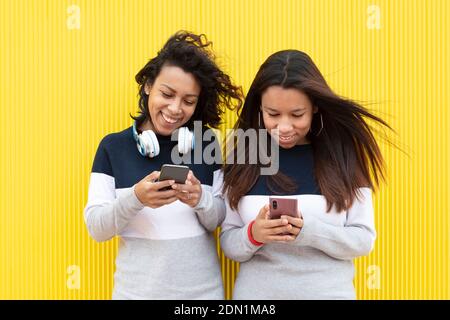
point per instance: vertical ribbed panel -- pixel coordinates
(63, 88)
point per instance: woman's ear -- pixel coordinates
(147, 88)
(315, 109)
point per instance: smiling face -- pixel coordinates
(290, 111)
(172, 100)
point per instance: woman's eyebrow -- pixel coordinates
(173, 90)
(170, 88)
(270, 109)
(275, 110)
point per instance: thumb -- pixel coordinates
(263, 213)
(152, 176)
(193, 178)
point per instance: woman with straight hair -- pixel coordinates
(166, 249)
(329, 162)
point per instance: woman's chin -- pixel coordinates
(286, 144)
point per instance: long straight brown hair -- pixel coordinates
(346, 154)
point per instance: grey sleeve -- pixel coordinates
(234, 240)
(210, 209)
(235, 243)
(356, 238)
(105, 215)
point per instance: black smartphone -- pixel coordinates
(173, 172)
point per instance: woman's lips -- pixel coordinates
(170, 120)
(286, 139)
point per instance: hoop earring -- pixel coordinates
(321, 125)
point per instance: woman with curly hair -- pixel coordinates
(167, 249)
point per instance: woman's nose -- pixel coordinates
(285, 127)
(175, 107)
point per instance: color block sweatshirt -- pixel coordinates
(318, 263)
(164, 253)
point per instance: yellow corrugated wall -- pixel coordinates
(67, 79)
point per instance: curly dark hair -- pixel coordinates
(193, 54)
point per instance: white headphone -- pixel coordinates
(148, 145)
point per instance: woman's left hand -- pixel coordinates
(296, 223)
(190, 192)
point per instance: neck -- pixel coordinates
(147, 125)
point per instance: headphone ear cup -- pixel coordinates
(145, 144)
(154, 142)
(185, 140)
(192, 144)
(137, 138)
(150, 143)
(140, 146)
(181, 138)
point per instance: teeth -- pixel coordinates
(286, 138)
(169, 119)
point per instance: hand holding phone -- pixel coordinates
(286, 208)
(266, 230)
(151, 193)
(188, 187)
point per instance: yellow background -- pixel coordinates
(67, 79)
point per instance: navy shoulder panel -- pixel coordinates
(102, 163)
(118, 156)
(298, 164)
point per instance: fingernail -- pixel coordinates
(174, 186)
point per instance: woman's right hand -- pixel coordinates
(266, 230)
(149, 194)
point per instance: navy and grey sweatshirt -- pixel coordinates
(164, 253)
(318, 263)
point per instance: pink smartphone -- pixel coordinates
(282, 206)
